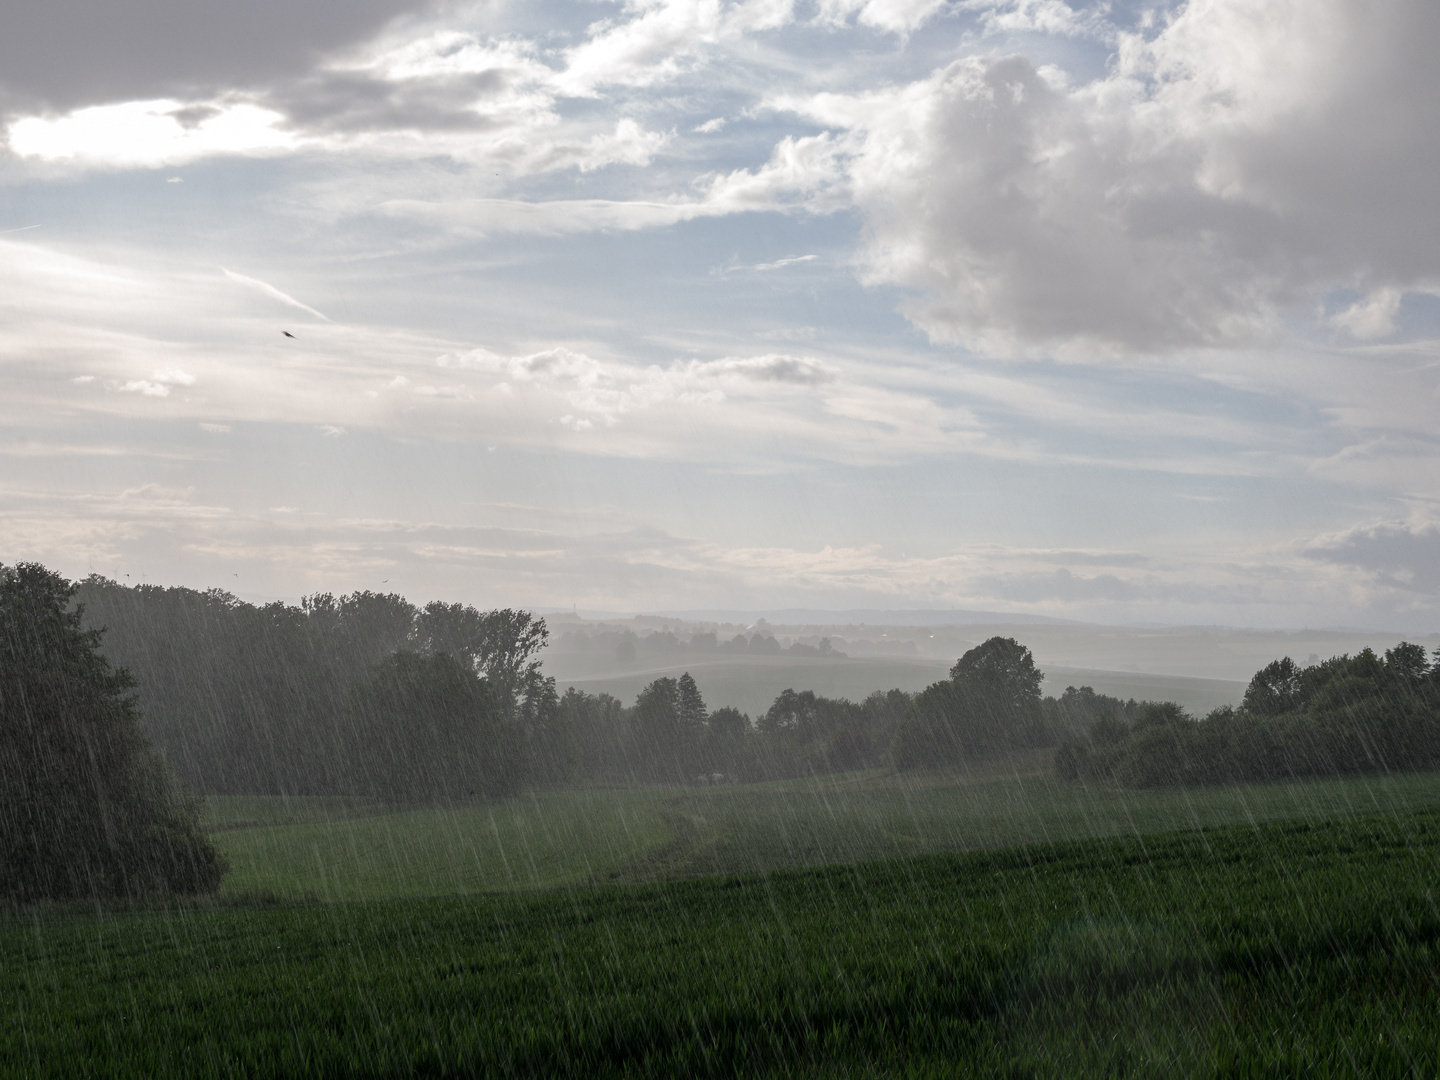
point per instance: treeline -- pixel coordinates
(669, 736)
(990, 705)
(628, 647)
(1345, 716)
(368, 694)
(357, 694)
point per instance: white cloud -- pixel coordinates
(146, 387)
(802, 174)
(895, 16)
(1370, 317)
(149, 133)
(1042, 16)
(271, 291)
(159, 384)
(1229, 168)
(610, 390)
(779, 263)
(651, 47)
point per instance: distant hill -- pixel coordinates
(870, 617)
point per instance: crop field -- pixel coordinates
(1302, 947)
(347, 850)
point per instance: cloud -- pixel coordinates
(64, 54)
(800, 176)
(779, 263)
(664, 39)
(149, 133)
(1230, 168)
(1372, 316)
(1043, 17)
(159, 383)
(1401, 555)
(799, 370)
(271, 291)
(447, 82)
(146, 387)
(894, 16)
(610, 390)
(1062, 586)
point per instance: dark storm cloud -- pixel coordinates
(63, 54)
(354, 101)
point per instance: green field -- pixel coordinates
(347, 850)
(871, 924)
(1281, 949)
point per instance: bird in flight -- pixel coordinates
(287, 333)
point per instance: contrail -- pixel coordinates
(272, 292)
(22, 228)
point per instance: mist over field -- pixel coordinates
(719, 537)
(1200, 667)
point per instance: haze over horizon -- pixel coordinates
(1119, 313)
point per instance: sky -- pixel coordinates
(1126, 313)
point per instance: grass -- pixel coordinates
(1272, 949)
(333, 850)
(350, 850)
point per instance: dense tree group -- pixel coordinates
(87, 806)
(368, 694)
(990, 705)
(357, 694)
(1348, 715)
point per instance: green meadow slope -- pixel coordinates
(1278, 949)
(349, 850)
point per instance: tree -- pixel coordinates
(1407, 663)
(429, 728)
(596, 724)
(691, 705)
(727, 741)
(1275, 690)
(662, 746)
(87, 806)
(990, 704)
(500, 645)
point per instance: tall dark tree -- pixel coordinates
(661, 748)
(990, 704)
(87, 806)
(691, 705)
